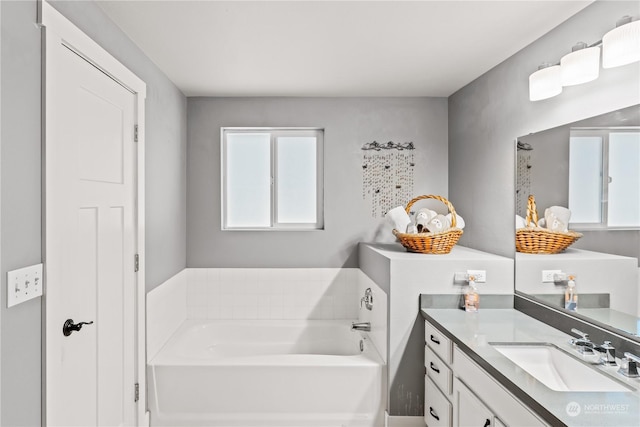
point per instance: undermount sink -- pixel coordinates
(557, 369)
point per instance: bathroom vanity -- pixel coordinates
(490, 369)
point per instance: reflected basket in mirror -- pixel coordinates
(440, 242)
(533, 239)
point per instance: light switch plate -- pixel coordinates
(24, 284)
(459, 277)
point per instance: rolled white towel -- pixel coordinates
(459, 221)
(423, 216)
(425, 213)
(520, 222)
(553, 222)
(562, 216)
(398, 218)
(438, 223)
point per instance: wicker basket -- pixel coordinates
(537, 240)
(439, 242)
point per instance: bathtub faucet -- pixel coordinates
(361, 326)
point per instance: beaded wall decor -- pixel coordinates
(523, 173)
(387, 176)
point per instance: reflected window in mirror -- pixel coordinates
(604, 178)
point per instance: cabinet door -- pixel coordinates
(469, 411)
(437, 409)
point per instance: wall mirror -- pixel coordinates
(592, 167)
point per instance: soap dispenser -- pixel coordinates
(571, 295)
(471, 297)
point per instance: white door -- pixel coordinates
(90, 212)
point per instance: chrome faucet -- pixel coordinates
(629, 365)
(608, 356)
(582, 344)
(361, 326)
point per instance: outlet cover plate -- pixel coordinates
(547, 275)
(480, 275)
(24, 284)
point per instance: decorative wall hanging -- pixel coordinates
(387, 175)
(388, 146)
(523, 187)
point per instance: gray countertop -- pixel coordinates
(473, 333)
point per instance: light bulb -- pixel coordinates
(621, 46)
(582, 65)
(545, 83)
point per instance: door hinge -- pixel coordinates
(136, 263)
(137, 392)
(135, 133)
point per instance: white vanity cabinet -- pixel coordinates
(458, 392)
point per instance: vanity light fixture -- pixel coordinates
(582, 65)
(545, 83)
(621, 46)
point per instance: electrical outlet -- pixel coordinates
(548, 275)
(480, 275)
(24, 284)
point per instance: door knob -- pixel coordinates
(69, 326)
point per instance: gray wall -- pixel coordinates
(20, 187)
(486, 116)
(348, 123)
(549, 168)
(20, 217)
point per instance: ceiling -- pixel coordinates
(332, 48)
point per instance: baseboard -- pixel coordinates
(397, 421)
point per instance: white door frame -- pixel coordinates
(60, 30)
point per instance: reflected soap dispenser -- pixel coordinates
(571, 295)
(471, 297)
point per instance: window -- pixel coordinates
(604, 178)
(272, 179)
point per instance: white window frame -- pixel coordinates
(604, 196)
(275, 133)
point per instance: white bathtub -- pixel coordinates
(267, 373)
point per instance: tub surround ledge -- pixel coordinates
(473, 333)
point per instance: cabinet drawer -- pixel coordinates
(437, 409)
(438, 371)
(437, 342)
